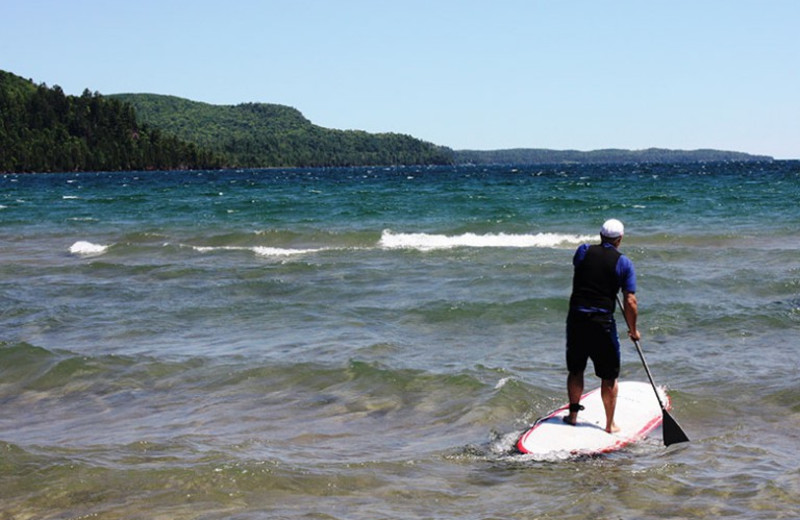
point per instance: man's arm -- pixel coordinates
(631, 311)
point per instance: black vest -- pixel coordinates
(595, 283)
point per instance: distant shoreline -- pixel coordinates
(48, 131)
(513, 166)
(531, 156)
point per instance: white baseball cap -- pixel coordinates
(612, 228)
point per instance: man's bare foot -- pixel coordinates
(572, 418)
(613, 428)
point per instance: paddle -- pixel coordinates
(672, 431)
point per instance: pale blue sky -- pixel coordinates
(492, 74)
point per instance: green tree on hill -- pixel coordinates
(258, 134)
(44, 130)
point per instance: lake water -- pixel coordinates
(369, 343)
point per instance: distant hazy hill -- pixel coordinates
(257, 135)
(651, 155)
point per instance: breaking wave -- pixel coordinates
(84, 248)
(427, 242)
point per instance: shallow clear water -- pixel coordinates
(368, 343)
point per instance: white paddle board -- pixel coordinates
(637, 414)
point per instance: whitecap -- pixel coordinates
(500, 384)
(427, 242)
(84, 248)
(278, 251)
(204, 249)
(258, 250)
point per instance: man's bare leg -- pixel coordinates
(608, 392)
(574, 391)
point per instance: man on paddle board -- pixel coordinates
(601, 271)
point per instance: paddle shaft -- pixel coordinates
(641, 355)
(672, 431)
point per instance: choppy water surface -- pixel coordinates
(368, 343)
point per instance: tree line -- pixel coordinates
(261, 134)
(44, 130)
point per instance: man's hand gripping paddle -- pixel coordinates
(672, 431)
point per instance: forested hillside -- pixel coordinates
(44, 130)
(258, 135)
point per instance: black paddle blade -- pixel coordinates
(673, 434)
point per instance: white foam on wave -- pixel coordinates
(258, 250)
(278, 251)
(84, 248)
(427, 242)
(500, 384)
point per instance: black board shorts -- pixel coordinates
(593, 335)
